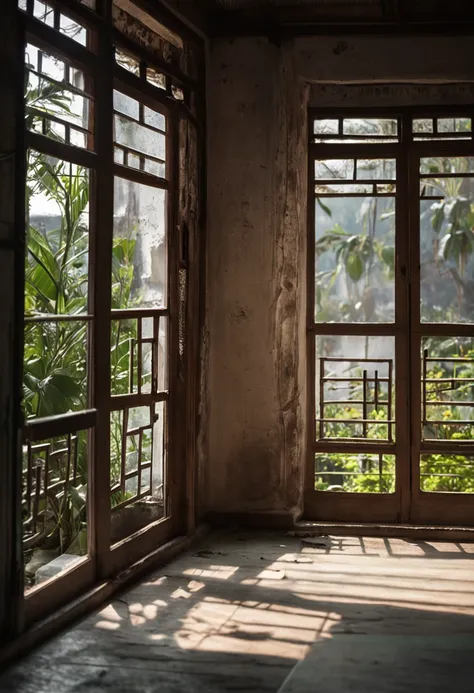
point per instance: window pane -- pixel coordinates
(355, 256)
(447, 473)
(448, 388)
(354, 473)
(446, 245)
(139, 262)
(57, 258)
(55, 368)
(140, 132)
(379, 127)
(355, 388)
(138, 461)
(55, 506)
(139, 355)
(55, 102)
(326, 127)
(142, 139)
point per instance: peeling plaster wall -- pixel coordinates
(255, 252)
(257, 99)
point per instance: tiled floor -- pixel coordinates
(240, 611)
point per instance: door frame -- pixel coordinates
(408, 504)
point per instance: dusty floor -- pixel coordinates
(240, 611)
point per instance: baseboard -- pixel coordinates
(419, 532)
(258, 519)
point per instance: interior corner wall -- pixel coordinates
(255, 244)
(256, 287)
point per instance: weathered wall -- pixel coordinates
(255, 254)
(256, 241)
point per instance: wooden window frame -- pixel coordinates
(103, 560)
(408, 503)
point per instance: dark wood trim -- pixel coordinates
(418, 532)
(39, 429)
(237, 24)
(60, 150)
(138, 544)
(58, 591)
(58, 44)
(100, 525)
(258, 519)
(13, 257)
(327, 506)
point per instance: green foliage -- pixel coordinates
(55, 379)
(352, 257)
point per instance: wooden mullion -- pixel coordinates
(344, 150)
(402, 316)
(60, 150)
(134, 399)
(414, 334)
(52, 41)
(54, 426)
(126, 313)
(78, 12)
(138, 176)
(356, 329)
(102, 272)
(132, 86)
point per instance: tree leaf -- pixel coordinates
(354, 266)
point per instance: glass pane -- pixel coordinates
(55, 368)
(379, 127)
(454, 125)
(139, 262)
(72, 29)
(126, 105)
(448, 388)
(446, 247)
(129, 62)
(376, 169)
(453, 164)
(447, 473)
(52, 97)
(139, 355)
(342, 169)
(355, 388)
(141, 132)
(138, 461)
(355, 259)
(354, 473)
(45, 13)
(142, 139)
(423, 125)
(157, 79)
(326, 127)
(57, 258)
(55, 506)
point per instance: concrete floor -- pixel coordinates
(272, 612)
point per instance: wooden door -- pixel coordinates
(372, 349)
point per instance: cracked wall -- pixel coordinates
(256, 239)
